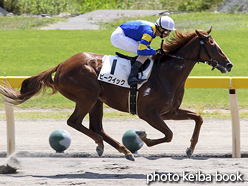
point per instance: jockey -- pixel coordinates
(136, 37)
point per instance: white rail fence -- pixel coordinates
(231, 83)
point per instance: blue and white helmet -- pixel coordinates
(165, 22)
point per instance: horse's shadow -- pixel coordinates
(90, 175)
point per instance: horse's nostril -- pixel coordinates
(229, 65)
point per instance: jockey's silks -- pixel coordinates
(143, 31)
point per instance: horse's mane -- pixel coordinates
(176, 40)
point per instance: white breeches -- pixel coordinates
(119, 40)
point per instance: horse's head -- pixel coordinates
(211, 52)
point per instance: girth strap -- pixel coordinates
(133, 99)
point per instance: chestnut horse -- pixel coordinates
(76, 79)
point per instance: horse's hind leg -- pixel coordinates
(155, 120)
(181, 114)
(78, 83)
(96, 115)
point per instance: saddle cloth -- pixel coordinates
(115, 70)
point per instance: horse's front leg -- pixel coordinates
(182, 114)
(155, 120)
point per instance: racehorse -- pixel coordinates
(158, 99)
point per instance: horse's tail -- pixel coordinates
(30, 87)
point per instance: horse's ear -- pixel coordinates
(209, 30)
(198, 33)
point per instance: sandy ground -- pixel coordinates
(79, 165)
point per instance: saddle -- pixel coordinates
(133, 59)
(133, 88)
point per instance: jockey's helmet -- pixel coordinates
(165, 22)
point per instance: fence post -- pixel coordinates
(235, 123)
(10, 122)
(10, 128)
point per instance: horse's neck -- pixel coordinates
(179, 69)
(190, 49)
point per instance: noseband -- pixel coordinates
(212, 61)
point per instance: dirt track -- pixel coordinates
(113, 169)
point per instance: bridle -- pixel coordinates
(214, 63)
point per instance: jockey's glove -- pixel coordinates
(160, 51)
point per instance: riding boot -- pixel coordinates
(133, 79)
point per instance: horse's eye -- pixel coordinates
(213, 44)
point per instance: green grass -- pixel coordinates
(219, 21)
(38, 50)
(192, 21)
(24, 23)
(62, 114)
(29, 52)
(59, 114)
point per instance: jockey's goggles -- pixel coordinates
(164, 31)
(167, 32)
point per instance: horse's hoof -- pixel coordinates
(189, 153)
(99, 151)
(141, 134)
(130, 157)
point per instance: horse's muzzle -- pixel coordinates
(229, 66)
(225, 68)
